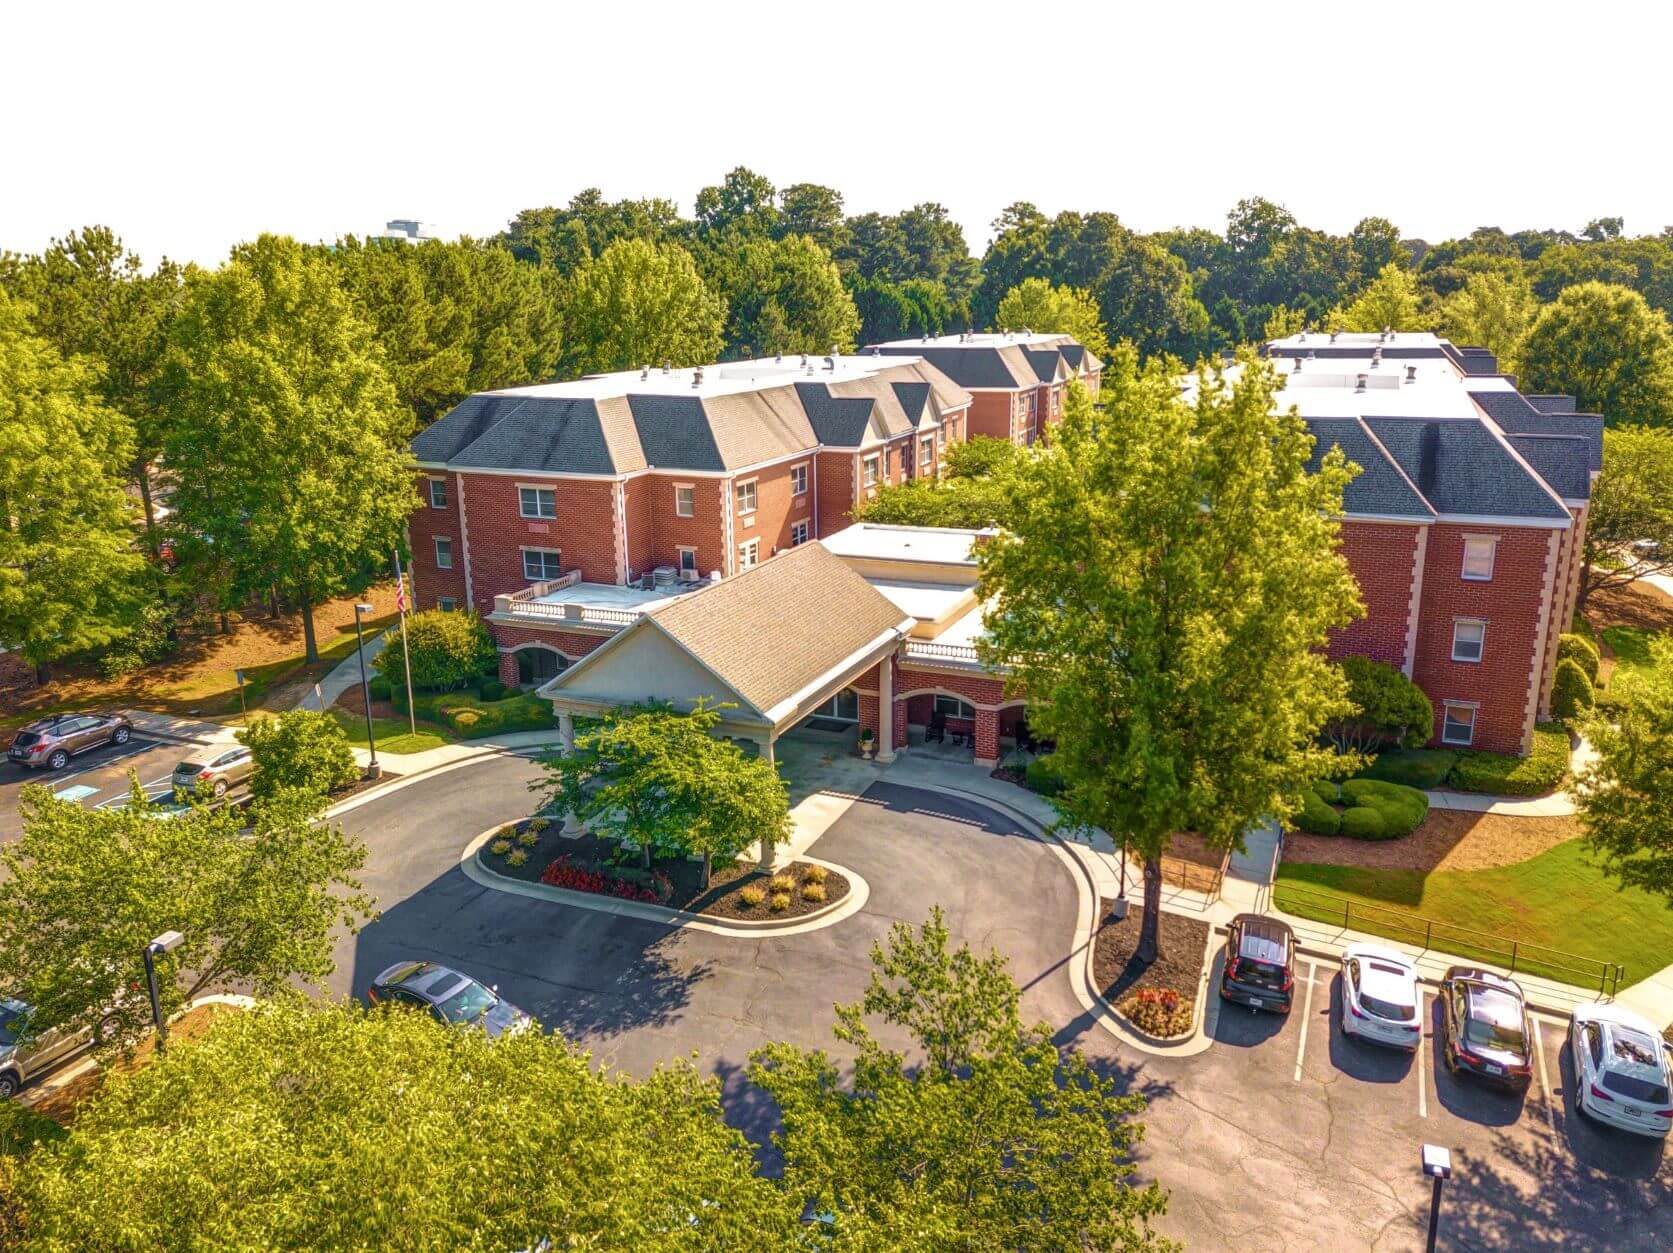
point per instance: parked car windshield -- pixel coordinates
(11, 1024)
(1487, 1034)
(467, 1004)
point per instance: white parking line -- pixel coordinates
(60, 780)
(1424, 1022)
(1306, 1017)
(1544, 1078)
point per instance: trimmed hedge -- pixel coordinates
(1042, 777)
(1571, 691)
(1581, 651)
(1373, 809)
(1424, 768)
(448, 651)
(379, 687)
(1500, 774)
(471, 719)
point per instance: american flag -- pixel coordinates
(401, 593)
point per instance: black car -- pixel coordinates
(1484, 1027)
(51, 742)
(452, 998)
(1260, 963)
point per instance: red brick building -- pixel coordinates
(1017, 379)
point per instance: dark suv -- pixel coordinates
(1260, 963)
(1484, 1027)
(51, 742)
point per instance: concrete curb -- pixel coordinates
(400, 781)
(859, 892)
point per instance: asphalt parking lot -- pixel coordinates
(92, 778)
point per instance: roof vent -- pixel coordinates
(697, 377)
(1303, 335)
(1376, 357)
(667, 367)
(778, 358)
(1295, 366)
(830, 363)
(645, 373)
(1311, 355)
(1361, 381)
(1388, 332)
(1411, 374)
(876, 351)
(1333, 336)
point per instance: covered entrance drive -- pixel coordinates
(801, 638)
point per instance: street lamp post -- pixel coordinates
(372, 770)
(167, 942)
(1437, 1164)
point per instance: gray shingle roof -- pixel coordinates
(1464, 467)
(1382, 487)
(978, 365)
(838, 420)
(1516, 414)
(914, 401)
(1479, 361)
(1551, 404)
(674, 432)
(521, 433)
(1563, 461)
(1046, 362)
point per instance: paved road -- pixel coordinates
(98, 775)
(1283, 1135)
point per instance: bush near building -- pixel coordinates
(1581, 651)
(1370, 809)
(303, 749)
(1501, 774)
(1571, 691)
(448, 650)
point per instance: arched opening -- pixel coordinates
(537, 664)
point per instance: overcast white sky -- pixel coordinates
(190, 127)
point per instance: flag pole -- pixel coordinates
(406, 657)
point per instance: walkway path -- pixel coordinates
(344, 676)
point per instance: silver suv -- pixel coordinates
(51, 742)
(214, 773)
(19, 1065)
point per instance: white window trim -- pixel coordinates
(556, 552)
(1492, 542)
(436, 544)
(755, 495)
(870, 469)
(801, 525)
(806, 468)
(926, 453)
(434, 480)
(753, 547)
(1480, 622)
(1449, 705)
(537, 487)
(447, 604)
(685, 487)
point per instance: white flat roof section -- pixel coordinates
(927, 602)
(948, 546)
(608, 596)
(981, 339)
(1329, 387)
(965, 630)
(728, 378)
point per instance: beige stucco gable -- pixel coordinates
(643, 664)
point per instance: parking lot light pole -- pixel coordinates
(167, 942)
(372, 770)
(1437, 1164)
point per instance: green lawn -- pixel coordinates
(393, 734)
(1558, 899)
(1631, 646)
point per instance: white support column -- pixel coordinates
(566, 733)
(886, 710)
(773, 857)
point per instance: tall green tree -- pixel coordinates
(640, 304)
(566, 239)
(1391, 300)
(1624, 802)
(304, 1125)
(1492, 311)
(1629, 527)
(815, 211)
(70, 574)
(1166, 585)
(789, 298)
(1038, 305)
(1146, 296)
(86, 889)
(453, 317)
(999, 1140)
(287, 435)
(1605, 346)
(92, 298)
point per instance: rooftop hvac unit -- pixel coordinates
(664, 576)
(689, 576)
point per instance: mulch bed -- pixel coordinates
(721, 899)
(1117, 971)
(1448, 839)
(363, 783)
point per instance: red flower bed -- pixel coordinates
(563, 874)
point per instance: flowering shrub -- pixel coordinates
(563, 873)
(752, 896)
(1161, 1012)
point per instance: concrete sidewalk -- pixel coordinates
(345, 675)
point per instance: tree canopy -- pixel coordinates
(1624, 802)
(1038, 305)
(1164, 590)
(639, 304)
(1629, 528)
(1389, 302)
(1604, 345)
(789, 299)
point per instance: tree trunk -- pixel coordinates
(142, 471)
(708, 871)
(1150, 931)
(273, 601)
(645, 851)
(310, 645)
(226, 623)
(43, 674)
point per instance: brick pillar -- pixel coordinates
(869, 720)
(987, 737)
(508, 669)
(900, 724)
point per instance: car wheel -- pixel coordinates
(9, 1084)
(220, 788)
(107, 1029)
(121, 736)
(58, 760)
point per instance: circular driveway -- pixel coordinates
(1280, 1136)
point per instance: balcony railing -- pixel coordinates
(528, 604)
(928, 650)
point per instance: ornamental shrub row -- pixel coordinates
(1371, 809)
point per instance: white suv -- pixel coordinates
(1379, 997)
(1621, 1074)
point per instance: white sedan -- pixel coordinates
(1379, 997)
(1621, 1070)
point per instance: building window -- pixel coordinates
(539, 665)
(1478, 558)
(537, 502)
(444, 553)
(843, 707)
(798, 479)
(446, 604)
(798, 533)
(438, 493)
(1056, 401)
(926, 453)
(953, 707)
(746, 496)
(688, 561)
(685, 500)
(870, 465)
(749, 552)
(1468, 636)
(1458, 724)
(542, 564)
